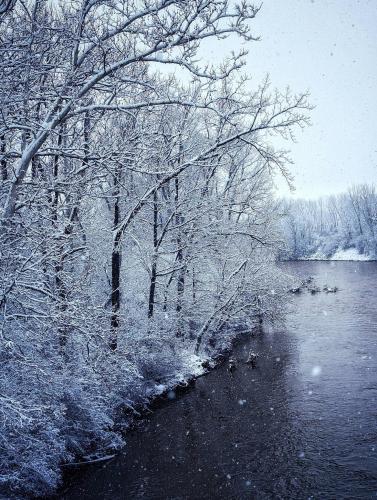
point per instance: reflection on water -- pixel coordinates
(303, 424)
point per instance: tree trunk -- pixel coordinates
(152, 287)
(4, 170)
(116, 259)
(59, 266)
(181, 269)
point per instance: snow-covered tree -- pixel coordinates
(138, 227)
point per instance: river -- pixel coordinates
(303, 424)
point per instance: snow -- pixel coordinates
(350, 254)
(159, 389)
(195, 364)
(316, 371)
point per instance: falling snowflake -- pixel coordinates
(316, 371)
(171, 395)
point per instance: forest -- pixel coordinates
(327, 227)
(138, 225)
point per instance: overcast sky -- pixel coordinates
(328, 47)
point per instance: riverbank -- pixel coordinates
(155, 398)
(350, 254)
(157, 407)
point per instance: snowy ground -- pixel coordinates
(349, 254)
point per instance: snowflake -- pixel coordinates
(316, 370)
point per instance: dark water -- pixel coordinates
(302, 425)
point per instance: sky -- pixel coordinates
(328, 47)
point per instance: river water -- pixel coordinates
(303, 424)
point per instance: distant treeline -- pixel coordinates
(324, 226)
